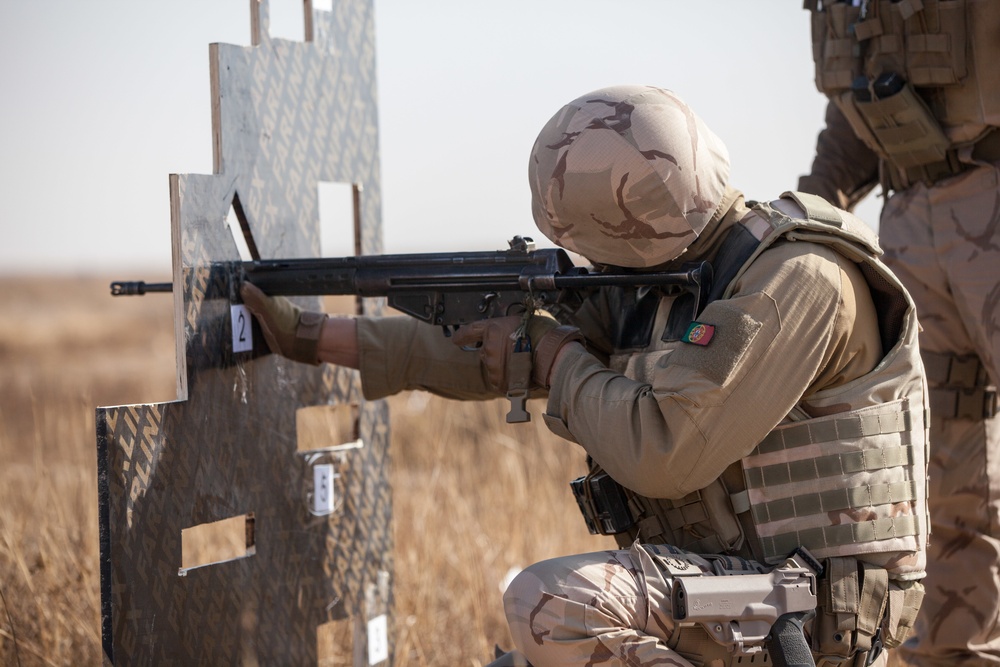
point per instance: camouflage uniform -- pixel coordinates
(915, 103)
(733, 425)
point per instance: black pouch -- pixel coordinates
(603, 502)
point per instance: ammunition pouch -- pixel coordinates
(893, 120)
(603, 503)
(960, 387)
(701, 522)
(861, 612)
(898, 126)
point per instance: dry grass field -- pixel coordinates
(474, 496)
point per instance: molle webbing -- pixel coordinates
(845, 428)
(959, 387)
(943, 51)
(696, 522)
(834, 498)
(831, 537)
(948, 370)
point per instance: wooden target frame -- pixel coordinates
(290, 457)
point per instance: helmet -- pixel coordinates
(627, 176)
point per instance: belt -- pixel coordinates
(986, 149)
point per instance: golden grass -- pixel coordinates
(58, 346)
(474, 496)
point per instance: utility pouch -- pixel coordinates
(603, 503)
(899, 122)
(836, 51)
(860, 611)
(905, 598)
(837, 610)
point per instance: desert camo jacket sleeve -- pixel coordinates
(844, 169)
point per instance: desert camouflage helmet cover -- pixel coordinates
(627, 176)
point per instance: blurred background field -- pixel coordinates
(474, 497)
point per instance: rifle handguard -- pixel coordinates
(547, 349)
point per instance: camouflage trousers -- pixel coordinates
(605, 608)
(944, 244)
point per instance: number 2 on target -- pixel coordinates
(242, 331)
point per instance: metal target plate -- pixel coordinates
(286, 116)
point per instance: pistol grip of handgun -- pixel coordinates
(787, 642)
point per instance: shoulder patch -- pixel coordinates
(698, 333)
(732, 335)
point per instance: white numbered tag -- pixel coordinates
(378, 640)
(242, 331)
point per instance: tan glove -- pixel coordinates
(498, 342)
(289, 331)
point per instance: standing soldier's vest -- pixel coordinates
(849, 484)
(916, 79)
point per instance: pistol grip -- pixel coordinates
(787, 642)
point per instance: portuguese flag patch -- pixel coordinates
(699, 333)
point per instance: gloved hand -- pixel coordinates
(289, 331)
(497, 344)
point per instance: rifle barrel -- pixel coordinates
(399, 274)
(138, 288)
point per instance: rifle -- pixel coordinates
(451, 289)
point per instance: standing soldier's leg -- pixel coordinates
(943, 243)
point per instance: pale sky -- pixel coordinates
(101, 100)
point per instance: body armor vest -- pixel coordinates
(946, 49)
(915, 79)
(852, 483)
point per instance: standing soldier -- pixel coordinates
(914, 91)
(764, 433)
